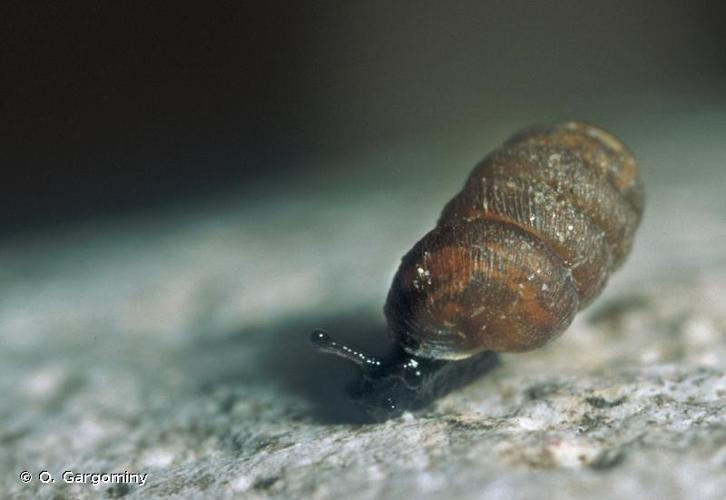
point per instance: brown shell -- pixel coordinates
(530, 240)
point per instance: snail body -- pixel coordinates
(530, 240)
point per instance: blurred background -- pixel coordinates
(108, 108)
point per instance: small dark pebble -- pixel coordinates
(539, 391)
(598, 402)
(118, 490)
(608, 459)
(265, 483)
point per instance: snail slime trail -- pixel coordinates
(529, 241)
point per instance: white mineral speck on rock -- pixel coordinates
(240, 484)
(158, 457)
(529, 424)
(47, 382)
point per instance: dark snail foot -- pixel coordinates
(402, 382)
(407, 383)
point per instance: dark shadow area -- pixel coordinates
(281, 355)
(293, 364)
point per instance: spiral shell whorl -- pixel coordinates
(532, 238)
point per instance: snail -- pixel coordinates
(529, 241)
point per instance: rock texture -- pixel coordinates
(176, 345)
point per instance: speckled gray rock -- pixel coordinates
(176, 346)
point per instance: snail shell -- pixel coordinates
(531, 239)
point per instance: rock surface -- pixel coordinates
(176, 345)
